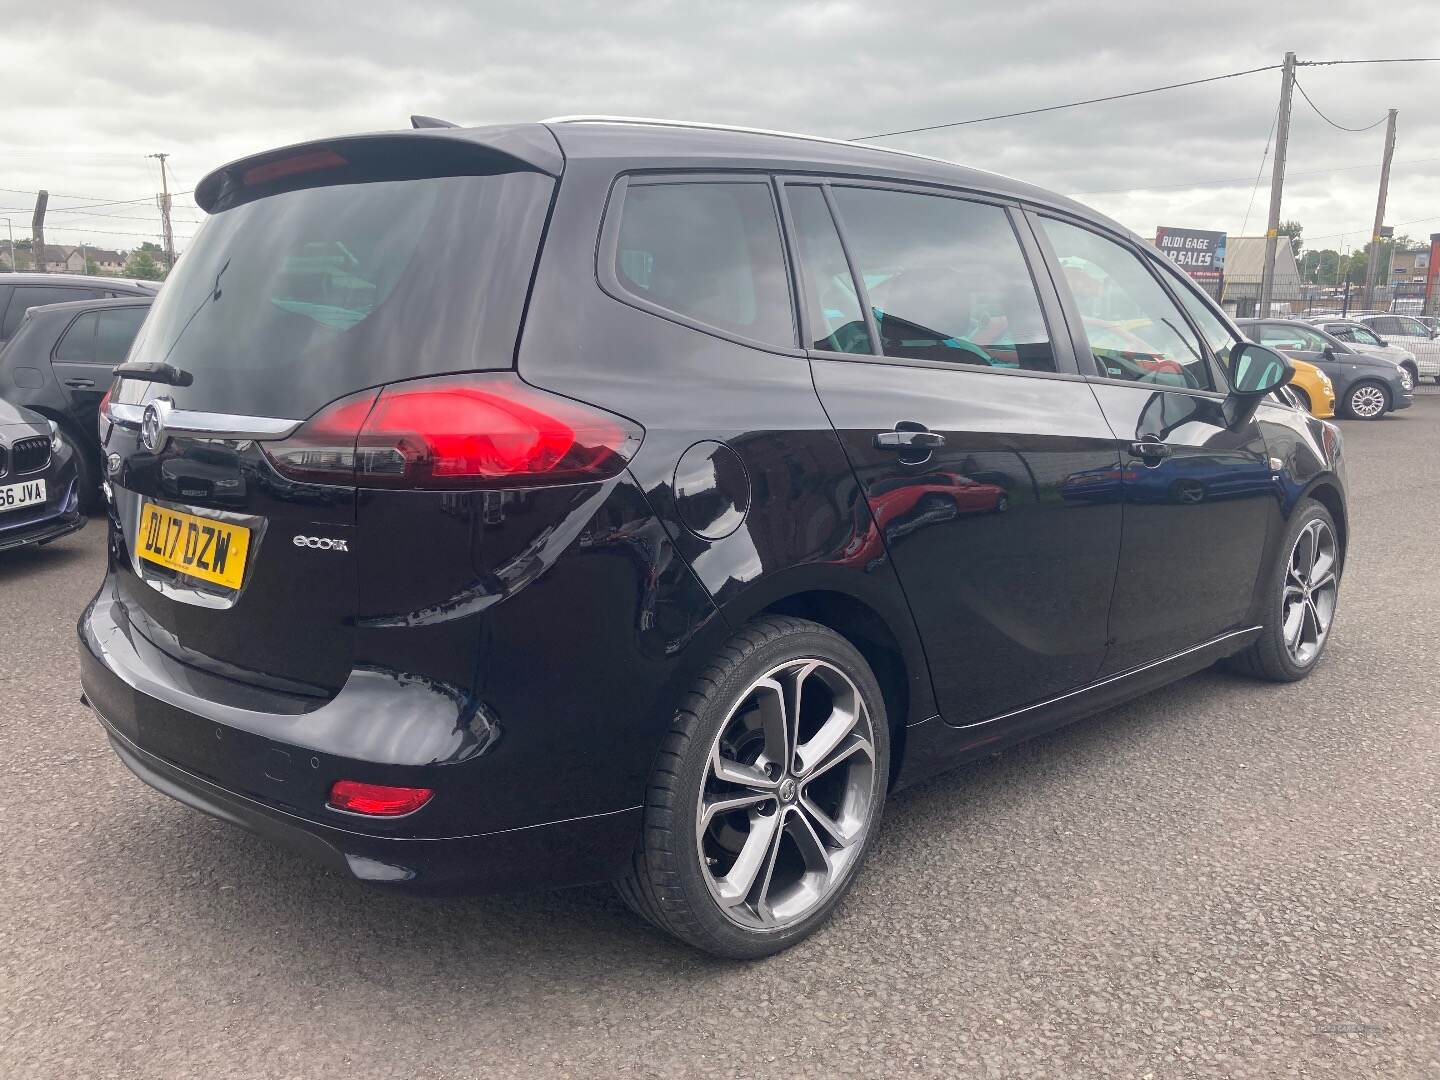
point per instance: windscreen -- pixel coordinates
(286, 303)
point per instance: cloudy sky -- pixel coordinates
(91, 89)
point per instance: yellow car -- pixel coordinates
(1313, 387)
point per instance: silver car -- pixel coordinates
(1354, 332)
(1408, 332)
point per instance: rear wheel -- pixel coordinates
(1367, 400)
(1301, 596)
(766, 794)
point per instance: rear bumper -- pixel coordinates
(267, 785)
(554, 854)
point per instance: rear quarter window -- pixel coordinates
(708, 253)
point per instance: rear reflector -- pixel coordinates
(458, 432)
(377, 800)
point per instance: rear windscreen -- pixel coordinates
(284, 304)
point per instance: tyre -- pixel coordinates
(1301, 593)
(766, 793)
(1304, 398)
(1367, 400)
(87, 474)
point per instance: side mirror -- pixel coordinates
(1254, 372)
(1329, 352)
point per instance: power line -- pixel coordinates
(1327, 119)
(1067, 105)
(1383, 60)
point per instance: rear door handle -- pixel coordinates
(1149, 451)
(908, 440)
(80, 384)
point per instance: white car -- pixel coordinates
(1358, 334)
(1410, 333)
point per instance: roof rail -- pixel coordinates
(657, 122)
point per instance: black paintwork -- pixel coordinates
(523, 652)
(34, 373)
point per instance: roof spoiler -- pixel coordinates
(430, 122)
(391, 155)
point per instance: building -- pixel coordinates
(1244, 264)
(105, 260)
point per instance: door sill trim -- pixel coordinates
(1109, 680)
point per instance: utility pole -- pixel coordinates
(11, 229)
(164, 201)
(1277, 182)
(1374, 263)
(37, 230)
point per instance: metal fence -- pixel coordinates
(1240, 295)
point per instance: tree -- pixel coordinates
(1292, 229)
(91, 266)
(142, 265)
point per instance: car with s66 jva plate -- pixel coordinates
(644, 501)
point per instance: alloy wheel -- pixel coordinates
(1367, 401)
(789, 795)
(1311, 588)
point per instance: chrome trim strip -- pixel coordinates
(1109, 679)
(184, 423)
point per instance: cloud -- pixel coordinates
(90, 90)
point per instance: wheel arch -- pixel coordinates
(1328, 495)
(871, 633)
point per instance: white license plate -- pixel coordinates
(14, 496)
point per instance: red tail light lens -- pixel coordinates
(289, 166)
(105, 404)
(377, 800)
(458, 432)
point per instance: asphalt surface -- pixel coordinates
(1223, 878)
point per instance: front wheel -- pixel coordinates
(1301, 595)
(1367, 401)
(766, 793)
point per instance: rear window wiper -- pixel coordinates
(153, 371)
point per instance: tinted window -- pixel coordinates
(117, 329)
(708, 252)
(836, 318)
(1135, 331)
(1360, 335)
(286, 303)
(27, 296)
(1216, 334)
(1289, 336)
(946, 278)
(77, 346)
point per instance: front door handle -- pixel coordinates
(1150, 451)
(908, 440)
(80, 384)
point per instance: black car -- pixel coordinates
(39, 496)
(59, 363)
(599, 500)
(21, 292)
(1366, 387)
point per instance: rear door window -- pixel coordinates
(708, 252)
(837, 321)
(283, 304)
(77, 345)
(115, 331)
(946, 279)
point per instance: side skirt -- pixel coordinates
(933, 746)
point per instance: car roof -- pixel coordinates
(642, 142)
(689, 144)
(92, 280)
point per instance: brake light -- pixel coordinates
(457, 432)
(105, 404)
(289, 166)
(377, 800)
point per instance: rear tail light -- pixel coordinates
(458, 432)
(105, 404)
(377, 800)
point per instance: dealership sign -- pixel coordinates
(1200, 254)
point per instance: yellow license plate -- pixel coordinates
(201, 547)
